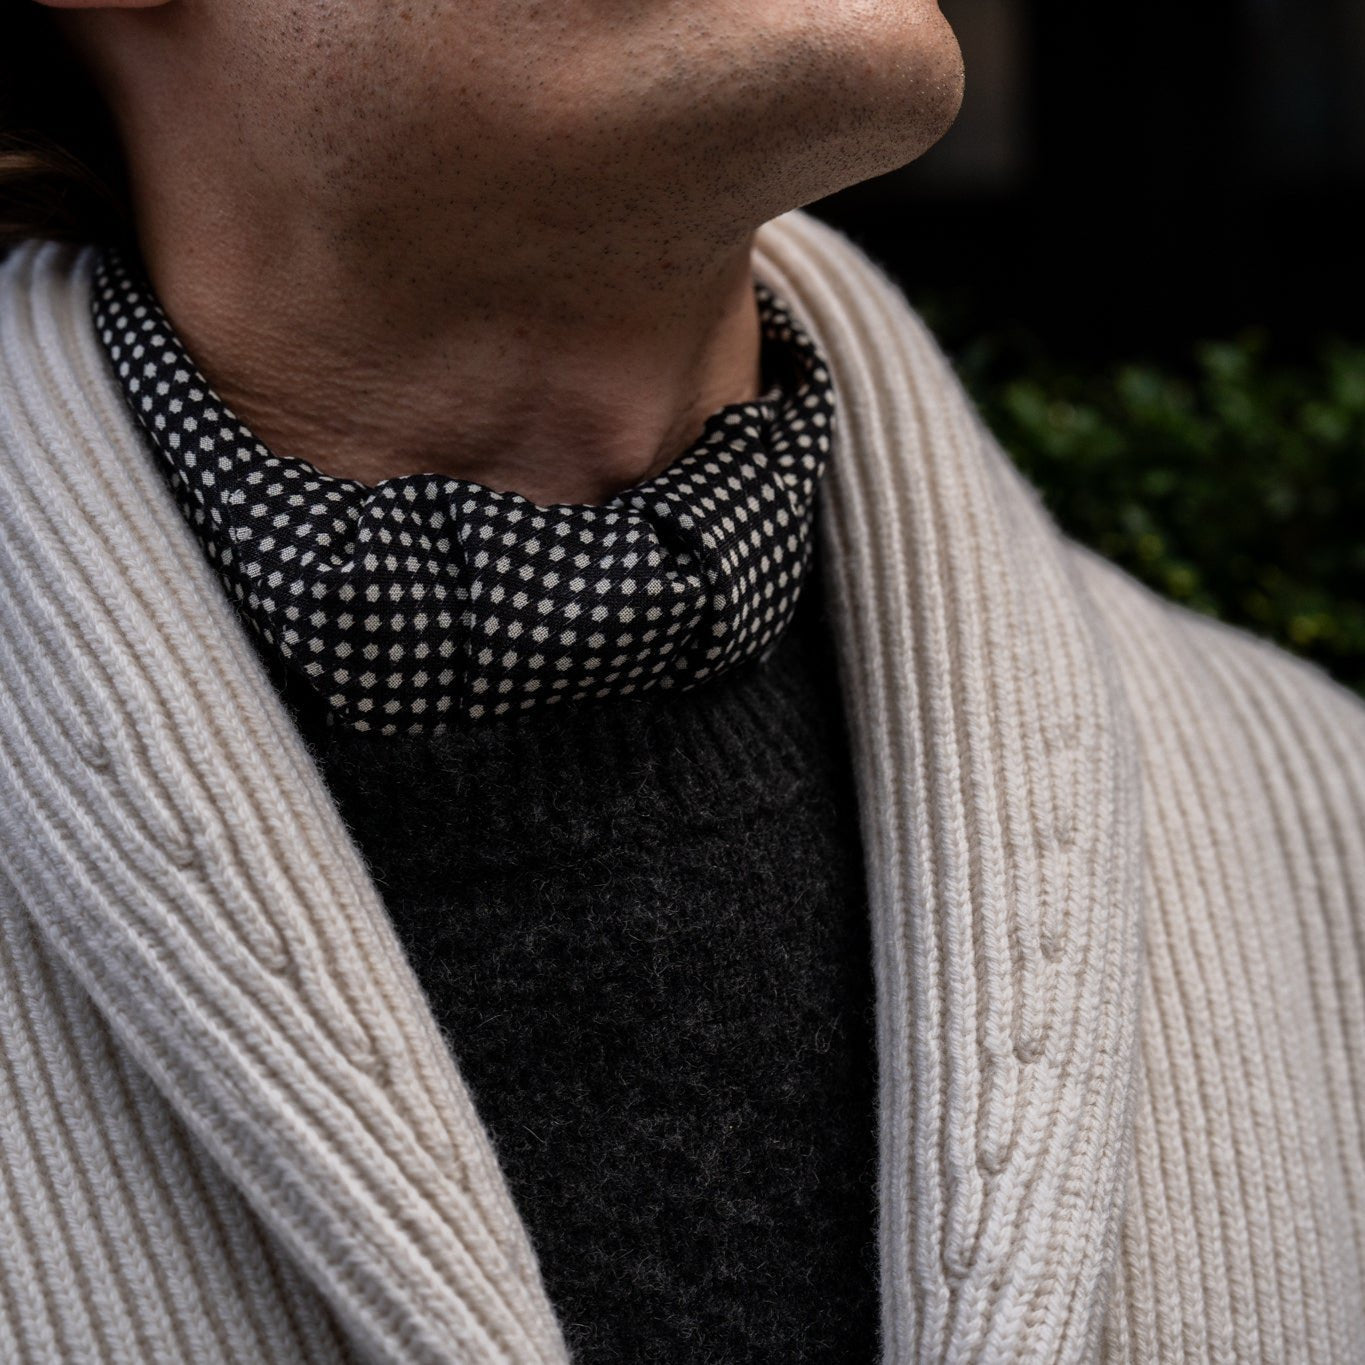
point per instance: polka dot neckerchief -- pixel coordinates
(422, 598)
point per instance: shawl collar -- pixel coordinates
(180, 854)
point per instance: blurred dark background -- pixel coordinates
(1141, 246)
(1138, 175)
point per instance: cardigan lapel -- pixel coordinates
(183, 858)
(189, 866)
(999, 798)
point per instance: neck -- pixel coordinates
(564, 383)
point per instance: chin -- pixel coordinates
(882, 92)
(907, 91)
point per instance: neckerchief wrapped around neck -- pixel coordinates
(426, 599)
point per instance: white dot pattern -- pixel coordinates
(424, 598)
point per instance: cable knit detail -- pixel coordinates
(235, 944)
(1007, 975)
(1116, 870)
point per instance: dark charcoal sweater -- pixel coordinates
(642, 927)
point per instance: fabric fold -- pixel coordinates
(425, 600)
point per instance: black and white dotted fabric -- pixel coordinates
(425, 599)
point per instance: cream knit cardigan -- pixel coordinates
(1116, 863)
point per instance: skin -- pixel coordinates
(507, 240)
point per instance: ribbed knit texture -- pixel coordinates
(1116, 872)
(641, 925)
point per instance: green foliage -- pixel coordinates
(1234, 482)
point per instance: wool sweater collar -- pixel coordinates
(180, 854)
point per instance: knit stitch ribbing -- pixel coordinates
(1002, 962)
(1115, 863)
(321, 1061)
